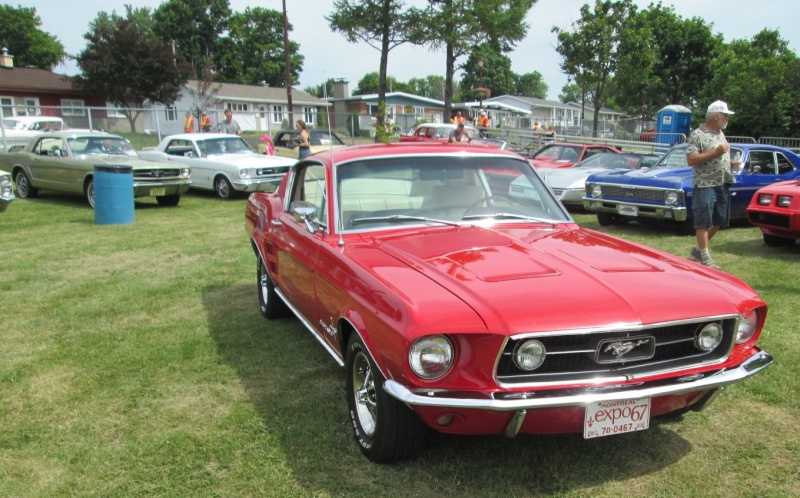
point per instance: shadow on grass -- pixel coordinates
(298, 392)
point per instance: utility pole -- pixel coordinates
(288, 65)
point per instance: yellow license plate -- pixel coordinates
(158, 191)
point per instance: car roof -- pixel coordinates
(77, 134)
(32, 119)
(199, 136)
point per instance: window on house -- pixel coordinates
(32, 106)
(171, 113)
(73, 107)
(237, 107)
(419, 112)
(113, 111)
(7, 104)
(310, 115)
(277, 114)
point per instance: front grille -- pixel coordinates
(156, 174)
(272, 171)
(775, 220)
(633, 194)
(584, 357)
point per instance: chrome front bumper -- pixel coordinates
(520, 401)
(643, 210)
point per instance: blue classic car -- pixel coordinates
(664, 192)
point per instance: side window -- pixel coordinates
(284, 140)
(784, 165)
(310, 187)
(762, 162)
(50, 147)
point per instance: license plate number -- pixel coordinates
(606, 418)
(628, 210)
(158, 191)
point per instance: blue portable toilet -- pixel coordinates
(673, 120)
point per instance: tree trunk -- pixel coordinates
(379, 120)
(448, 82)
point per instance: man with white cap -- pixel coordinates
(708, 153)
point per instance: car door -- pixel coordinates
(50, 167)
(760, 169)
(295, 245)
(283, 144)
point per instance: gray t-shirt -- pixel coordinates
(229, 127)
(717, 171)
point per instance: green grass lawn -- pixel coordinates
(135, 363)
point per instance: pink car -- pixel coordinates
(565, 155)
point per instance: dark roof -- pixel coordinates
(30, 79)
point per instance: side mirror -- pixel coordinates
(304, 212)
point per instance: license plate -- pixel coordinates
(606, 418)
(628, 210)
(158, 191)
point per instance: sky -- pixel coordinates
(329, 55)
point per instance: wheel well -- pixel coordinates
(220, 175)
(346, 330)
(86, 182)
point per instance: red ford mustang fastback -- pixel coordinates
(455, 304)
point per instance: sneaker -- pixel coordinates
(709, 262)
(695, 254)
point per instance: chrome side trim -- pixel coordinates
(310, 328)
(583, 397)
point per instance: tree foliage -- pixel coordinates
(383, 25)
(370, 83)
(758, 78)
(128, 65)
(322, 90)
(458, 26)
(30, 46)
(592, 50)
(497, 78)
(664, 59)
(254, 52)
(196, 27)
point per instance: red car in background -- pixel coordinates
(564, 155)
(775, 209)
(454, 305)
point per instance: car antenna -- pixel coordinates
(333, 161)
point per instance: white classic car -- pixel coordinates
(223, 163)
(18, 130)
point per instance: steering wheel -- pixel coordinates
(489, 201)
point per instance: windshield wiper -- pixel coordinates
(514, 216)
(400, 218)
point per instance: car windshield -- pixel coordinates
(225, 145)
(325, 138)
(675, 158)
(101, 146)
(617, 161)
(559, 153)
(442, 190)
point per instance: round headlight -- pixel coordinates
(708, 338)
(431, 357)
(597, 191)
(671, 198)
(5, 180)
(530, 355)
(185, 172)
(243, 173)
(747, 326)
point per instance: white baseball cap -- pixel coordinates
(719, 106)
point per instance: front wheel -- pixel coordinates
(24, 188)
(606, 219)
(223, 188)
(169, 200)
(386, 430)
(775, 241)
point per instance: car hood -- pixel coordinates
(528, 280)
(252, 160)
(666, 177)
(134, 162)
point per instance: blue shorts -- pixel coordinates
(711, 206)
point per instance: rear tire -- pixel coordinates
(88, 190)
(269, 303)
(24, 188)
(775, 241)
(386, 430)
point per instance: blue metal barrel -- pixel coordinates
(113, 194)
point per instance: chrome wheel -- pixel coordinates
(223, 188)
(24, 189)
(364, 393)
(90, 193)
